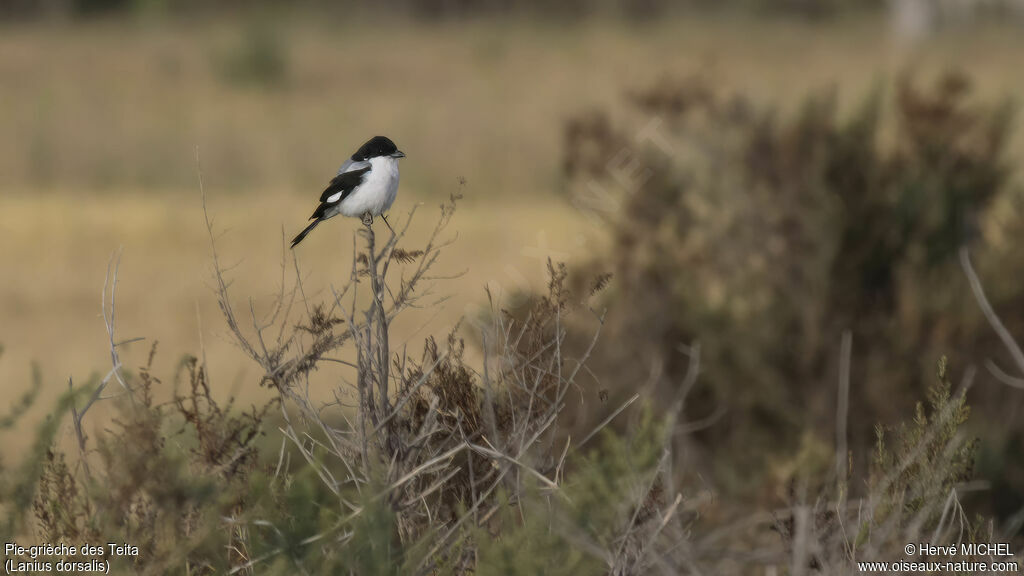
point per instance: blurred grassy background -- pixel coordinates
(102, 116)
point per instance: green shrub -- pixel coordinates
(764, 236)
(928, 458)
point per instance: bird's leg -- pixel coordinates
(367, 219)
(385, 219)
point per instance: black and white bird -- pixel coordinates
(366, 185)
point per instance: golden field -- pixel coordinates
(101, 123)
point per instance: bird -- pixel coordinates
(366, 185)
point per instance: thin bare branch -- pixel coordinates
(990, 314)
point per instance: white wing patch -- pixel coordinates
(334, 197)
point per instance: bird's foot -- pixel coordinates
(367, 219)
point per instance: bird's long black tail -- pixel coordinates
(302, 234)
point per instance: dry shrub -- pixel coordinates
(429, 450)
(159, 477)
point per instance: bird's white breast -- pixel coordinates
(377, 192)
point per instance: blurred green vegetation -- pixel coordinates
(630, 9)
(765, 236)
(260, 57)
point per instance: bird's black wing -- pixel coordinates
(340, 187)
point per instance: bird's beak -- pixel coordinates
(398, 154)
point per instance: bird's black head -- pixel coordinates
(376, 147)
